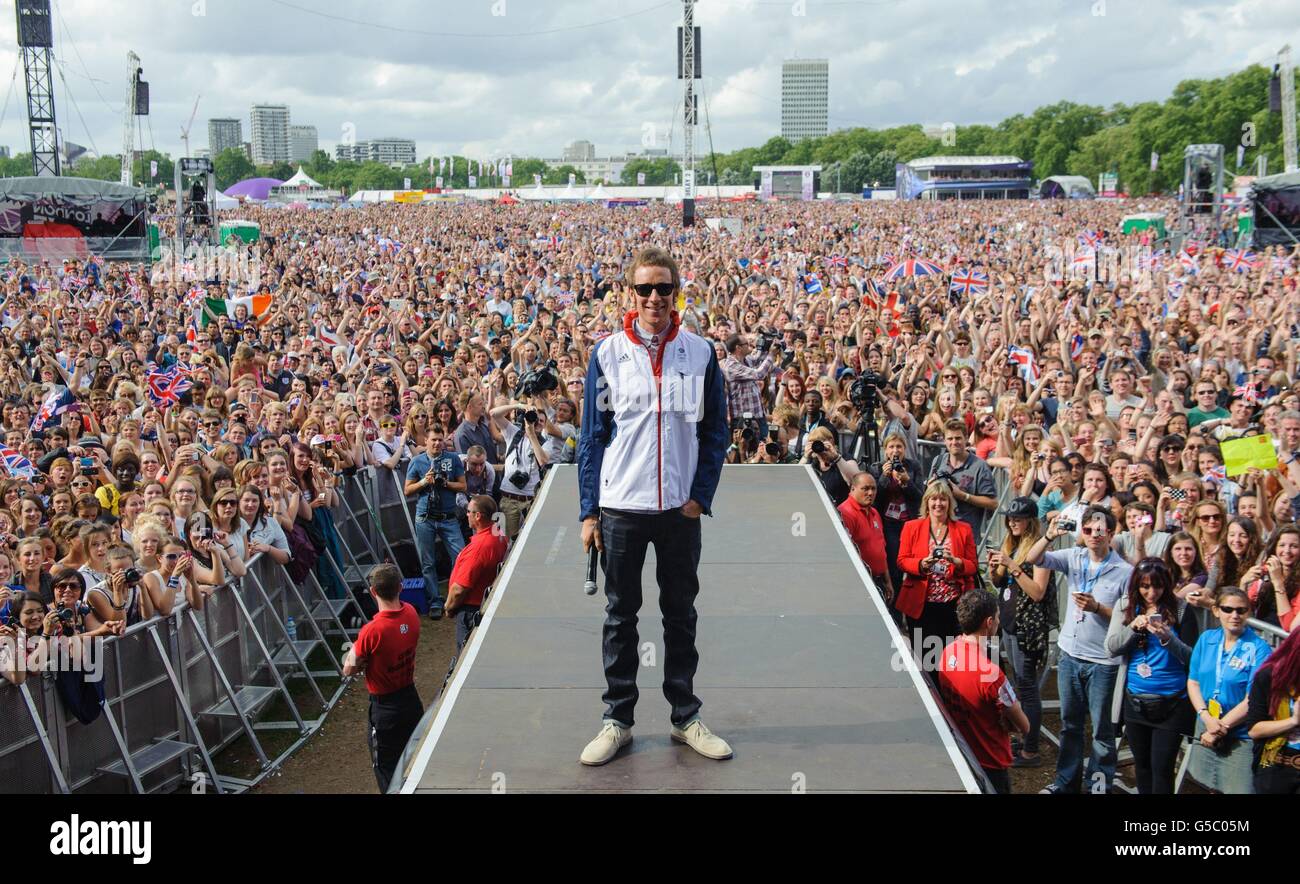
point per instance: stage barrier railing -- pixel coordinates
(180, 689)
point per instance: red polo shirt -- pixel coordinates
(868, 534)
(388, 643)
(476, 566)
(975, 692)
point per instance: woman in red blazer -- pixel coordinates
(937, 555)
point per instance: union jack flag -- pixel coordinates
(969, 282)
(1188, 260)
(1148, 260)
(1085, 260)
(1090, 238)
(1217, 475)
(1076, 347)
(839, 261)
(1248, 393)
(59, 401)
(1239, 260)
(18, 466)
(167, 385)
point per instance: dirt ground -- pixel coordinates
(336, 760)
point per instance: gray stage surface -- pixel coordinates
(798, 668)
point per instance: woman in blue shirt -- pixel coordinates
(1151, 688)
(1223, 664)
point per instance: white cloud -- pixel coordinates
(999, 49)
(530, 95)
(1040, 63)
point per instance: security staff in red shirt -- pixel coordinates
(866, 530)
(475, 568)
(385, 649)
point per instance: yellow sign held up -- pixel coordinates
(408, 196)
(1240, 455)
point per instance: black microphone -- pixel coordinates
(590, 585)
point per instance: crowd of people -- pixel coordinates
(1044, 423)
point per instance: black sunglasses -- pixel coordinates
(1227, 610)
(662, 289)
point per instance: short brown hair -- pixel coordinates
(386, 580)
(653, 256)
(486, 505)
(955, 425)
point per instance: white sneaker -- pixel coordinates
(702, 740)
(612, 737)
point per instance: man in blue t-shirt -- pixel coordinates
(436, 475)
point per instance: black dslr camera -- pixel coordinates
(537, 381)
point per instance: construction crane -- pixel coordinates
(185, 132)
(128, 130)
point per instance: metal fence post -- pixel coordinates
(185, 706)
(56, 770)
(270, 660)
(229, 689)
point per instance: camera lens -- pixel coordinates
(773, 450)
(819, 447)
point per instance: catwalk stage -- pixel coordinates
(799, 668)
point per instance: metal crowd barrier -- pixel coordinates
(180, 689)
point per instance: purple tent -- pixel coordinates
(253, 188)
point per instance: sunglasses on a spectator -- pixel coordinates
(1234, 610)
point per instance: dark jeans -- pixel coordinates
(427, 535)
(466, 619)
(393, 718)
(1155, 756)
(676, 540)
(1277, 779)
(1085, 690)
(1026, 668)
(1000, 778)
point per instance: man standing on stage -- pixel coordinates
(654, 436)
(385, 649)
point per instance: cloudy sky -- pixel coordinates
(525, 77)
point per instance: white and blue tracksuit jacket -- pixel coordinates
(653, 435)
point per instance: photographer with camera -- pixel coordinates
(119, 597)
(833, 471)
(436, 475)
(811, 418)
(560, 440)
(898, 497)
(776, 449)
(745, 376)
(524, 461)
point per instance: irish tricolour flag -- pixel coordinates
(256, 306)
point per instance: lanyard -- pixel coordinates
(1090, 580)
(1220, 663)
